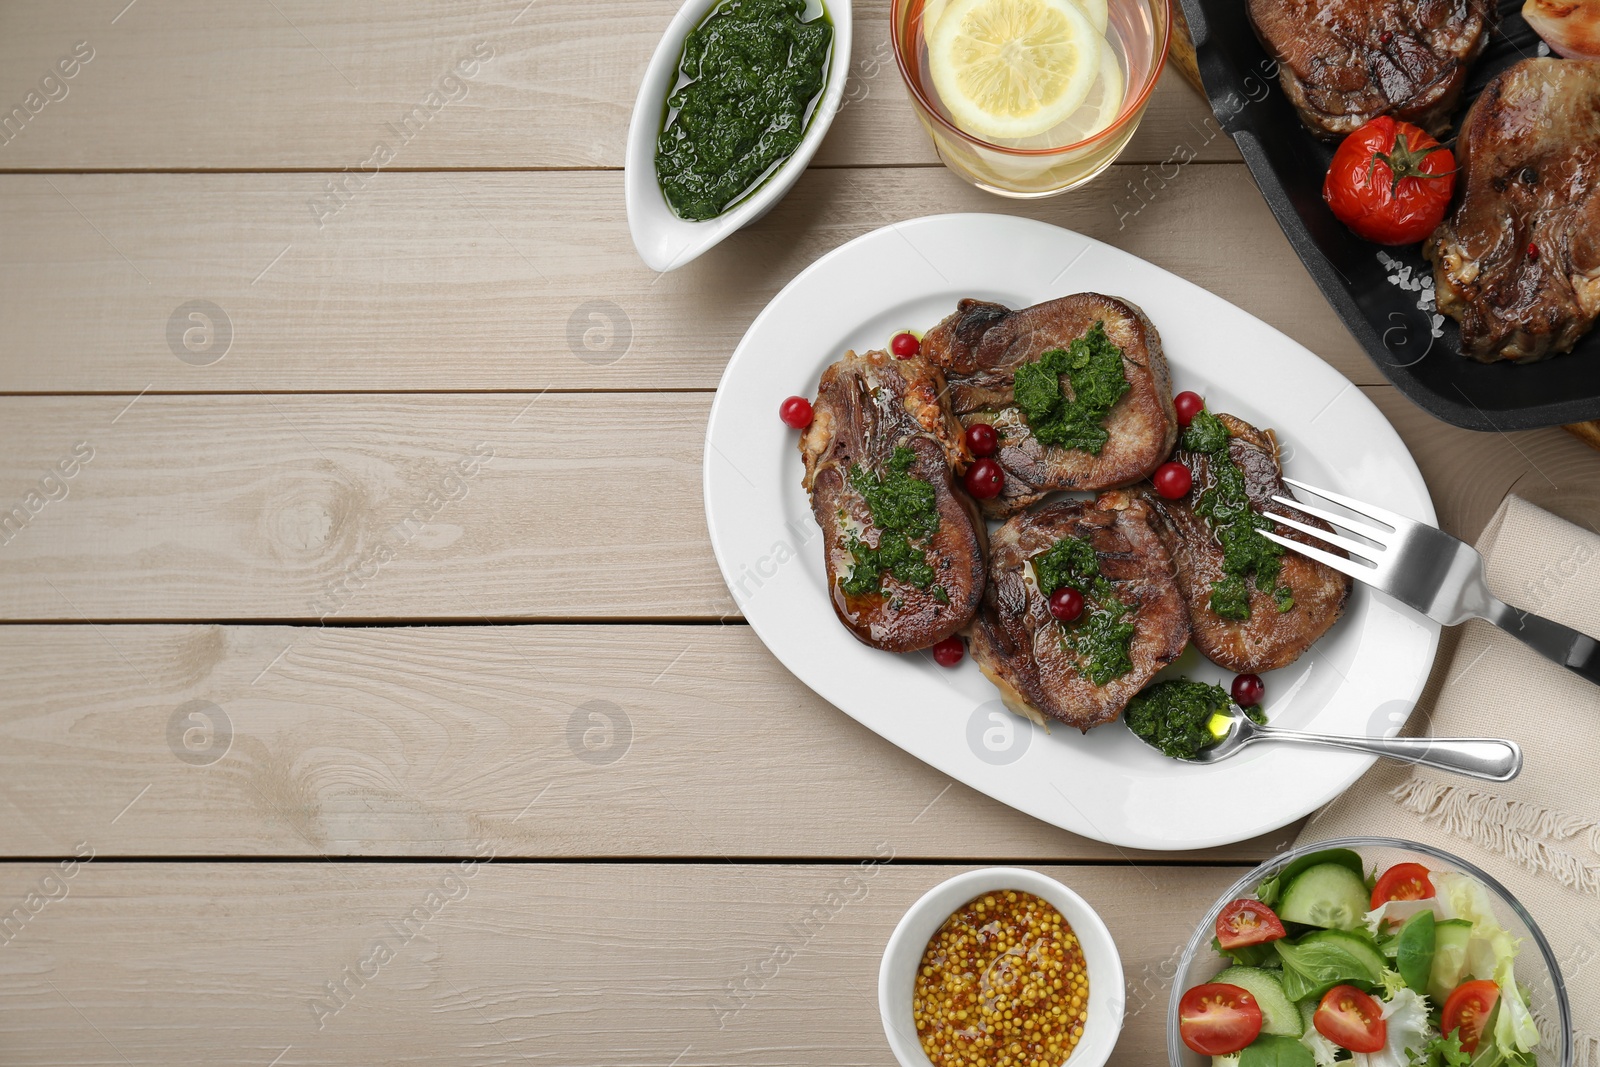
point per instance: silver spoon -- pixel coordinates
(1477, 757)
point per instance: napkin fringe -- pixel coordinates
(1524, 833)
(1585, 1049)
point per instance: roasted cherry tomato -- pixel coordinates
(1247, 922)
(1066, 604)
(948, 653)
(983, 439)
(985, 479)
(796, 412)
(1403, 881)
(1172, 480)
(1390, 182)
(1248, 690)
(1351, 1019)
(1187, 405)
(1467, 1009)
(904, 345)
(1217, 1019)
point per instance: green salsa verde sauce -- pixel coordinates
(1236, 525)
(1099, 638)
(1175, 716)
(1092, 365)
(905, 512)
(748, 81)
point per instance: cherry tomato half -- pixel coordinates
(1351, 1019)
(1390, 182)
(1467, 1009)
(1187, 405)
(1172, 480)
(1247, 922)
(904, 345)
(1217, 1019)
(796, 412)
(1403, 881)
(985, 479)
(948, 653)
(983, 439)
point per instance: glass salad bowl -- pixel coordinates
(1536, 970)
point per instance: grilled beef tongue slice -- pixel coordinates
(1269, 638)
(869, 409)
(1345, 62)
(1517, 263)
(980, 348)
(1024, 650)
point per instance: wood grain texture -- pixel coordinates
(628, 966)
(543, 741)
(309, 85)
(512, 281)
(352, 508)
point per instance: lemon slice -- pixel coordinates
(1008, 69)
(1100, 108)
(1097, 11)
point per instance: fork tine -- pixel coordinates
(1355, 548)
(1398, 522)
(1374, 533)
(1327, 559)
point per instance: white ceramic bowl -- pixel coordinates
(1107, 993)
(666, 242)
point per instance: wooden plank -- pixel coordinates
(352, 507)
(711, 965)
(542, 741)
(225, 283)
(303, 84)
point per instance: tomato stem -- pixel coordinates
(1405, 162)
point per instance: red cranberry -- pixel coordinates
(1533, 251)
(985, 479)
(949, 652)
(1188, 406)
(796, 412)
(1066, 604)
(904, 345)
(1172, 480)
(1248, 689)
(982, 439)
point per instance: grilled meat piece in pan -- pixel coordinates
(1517, 263)
(1286, 614)
(1344, 62)
(903, 545)
(980, 349)
(1069, 671)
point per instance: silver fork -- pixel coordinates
(1430, 571)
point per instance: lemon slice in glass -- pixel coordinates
(1100, 108)
(1008, 69)
(1097, 11)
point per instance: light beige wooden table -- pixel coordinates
(443, 410)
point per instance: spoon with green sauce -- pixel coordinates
(1187, 721)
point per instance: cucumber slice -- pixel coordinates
(1329, 895)
(1449, 966)
(1414, 957)
(1278, 1013)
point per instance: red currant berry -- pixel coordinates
(982, 439)
(985, 479)
(949, 652)
(1188, 406)
(1066, 604)
(1248, 689)
(796, 412)
(1172, 480)
(904, 345)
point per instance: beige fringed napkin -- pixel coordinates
(1540, 834)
